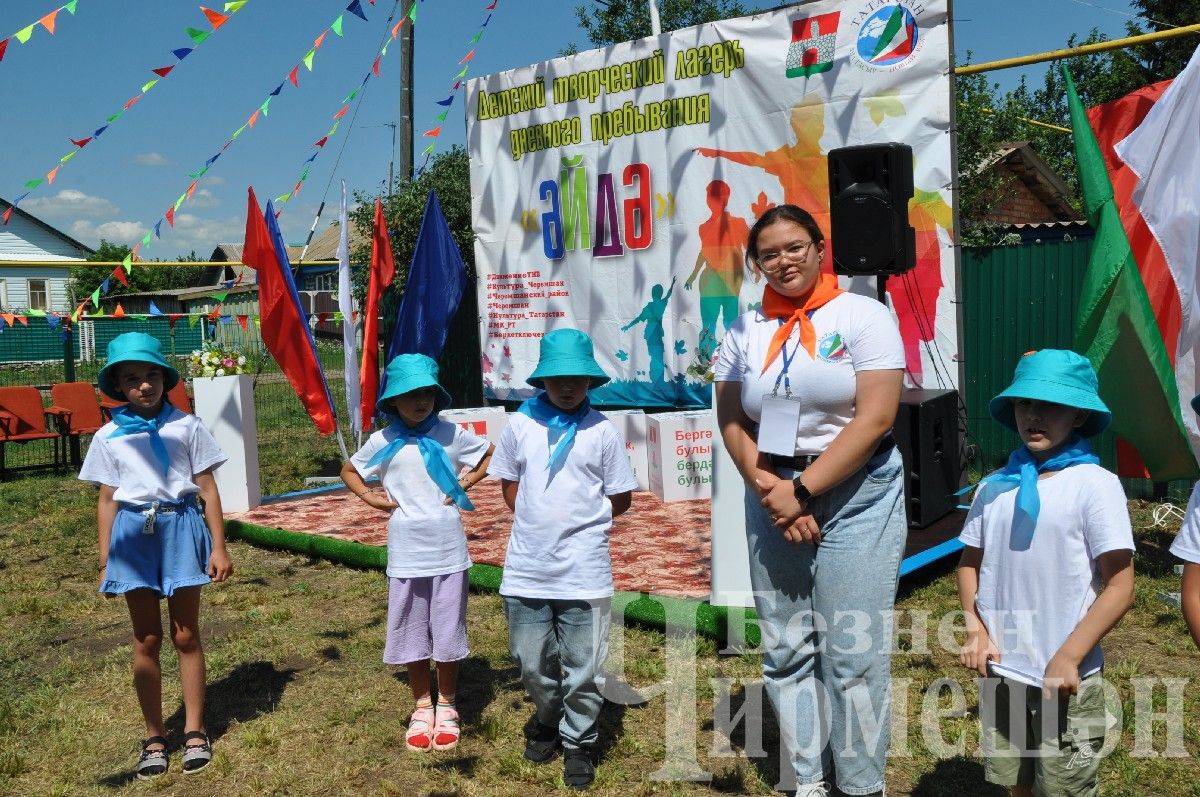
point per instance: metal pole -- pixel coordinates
(1083, 49)
(405, 130)
(655, 24)
(69, 376)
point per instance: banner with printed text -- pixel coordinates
(612, 190)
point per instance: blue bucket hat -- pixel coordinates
(408, 372)
(567, 352)
(134, 347)
(1059, 376)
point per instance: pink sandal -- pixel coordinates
(446, 729)
(419, 736)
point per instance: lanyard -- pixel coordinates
(784, 376)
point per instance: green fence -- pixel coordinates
(1017, 299)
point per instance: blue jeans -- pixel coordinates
(560, 647)
(825, 615)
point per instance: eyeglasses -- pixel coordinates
(772, 262)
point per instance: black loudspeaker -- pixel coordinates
(869, 189)
(927, 435)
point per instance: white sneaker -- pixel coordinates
(812, 790)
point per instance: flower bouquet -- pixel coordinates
(215, 361)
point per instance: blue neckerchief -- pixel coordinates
(1022, 472)
(128, 422)
(437, 462)
(543, 410)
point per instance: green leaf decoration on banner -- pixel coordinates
(234, 7)
(148, 86)
(308, 58)
(33, 183)
(70, 7)
(23, 34)
(336, 27)
(198, 36)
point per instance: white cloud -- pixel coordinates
(195, 233)
(203, 198)
(70, 203)
(214, 179)
(117, 232)
(150, 159)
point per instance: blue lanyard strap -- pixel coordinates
(784, 376)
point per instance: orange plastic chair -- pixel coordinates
(79, 405)
(23, 418)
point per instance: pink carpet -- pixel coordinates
(659, 548)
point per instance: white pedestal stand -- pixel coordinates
(226, 406)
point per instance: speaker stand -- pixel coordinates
(881, 288)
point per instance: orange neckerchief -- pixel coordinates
(776, 305)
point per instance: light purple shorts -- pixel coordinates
(427, 619)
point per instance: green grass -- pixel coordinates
(300, 703)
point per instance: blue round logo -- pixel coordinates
(888, 37)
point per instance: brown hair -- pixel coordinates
(792, 213)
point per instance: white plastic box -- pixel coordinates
(632, 426)
(679, 452)
(486, 422)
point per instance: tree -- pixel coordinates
(142, 279)
(624, 20)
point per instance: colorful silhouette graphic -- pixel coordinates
(720, 266)
(652, 315)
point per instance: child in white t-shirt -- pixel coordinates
(151, 463)
(1046, 572)
(565, 475)
(427, 547)
(1187, 548)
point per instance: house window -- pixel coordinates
(39, 295)
(323, 282)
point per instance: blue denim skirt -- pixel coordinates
(168, 554)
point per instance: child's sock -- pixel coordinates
(446, 700)
(425, 702)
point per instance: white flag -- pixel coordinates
(349, 327)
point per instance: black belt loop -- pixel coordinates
(801, 462)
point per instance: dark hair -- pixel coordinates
(792, 213)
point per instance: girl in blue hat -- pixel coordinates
(1047, 571)
(1187, 547)
(564, 473)
(427, 547)
(151, 463)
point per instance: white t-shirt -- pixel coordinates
(559, 543)
(1187, 542)
(129, 464)
(425, 537)
(854, 333)
(1034, 589)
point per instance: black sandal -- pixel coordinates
(196, 756)
(152, 763)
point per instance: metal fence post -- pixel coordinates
(69, 376)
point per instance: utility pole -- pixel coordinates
(405, 130)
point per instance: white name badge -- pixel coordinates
(778, 423)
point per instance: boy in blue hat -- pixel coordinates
(565, 475)
(1187, 547)
(427, 547)
(150, 463)
(1047, 571)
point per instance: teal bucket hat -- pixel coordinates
(1196, 404)
(409, 372)
(1059, 376)
(134, 347)
(567, 352)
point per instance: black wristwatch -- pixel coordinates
(802, 493)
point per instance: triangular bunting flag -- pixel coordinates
(191, 189)
(119, 312)
(427, 150)
(52, 174)
(220, 297)
(7, 214)
(492, 7)
(396, 28)
(319, 40)
(475, 39)
(433, 133)
(163, 71)
(234, 7)
(412, 13)
(146, 239)
(98, 131)
(154, 308)
(375, 66)
(170, 216)
(3, 47)
(31, 184)
(158, 229)
(457, 83)
(278, 89)
(294, 76)
(321, 143)
(351, 95)
(127, 263)
(193, 320)
(342, 112)
(283, 198)
(336, 27)
(36, 313)
(129, 104)
(81, 143)
(96, 295)
(47, 21)
(308, 59)
(486, 21)
(24, 321)
(236, 133)
(103, 289)
(23, 34)
(467, 57)
(198, 36)
(182, 52)
(146, 87)
(356, 9)
(441, 117)
(446, 102)
(311, 158)
(180, 201)
(67, 157)
(71, 7)
(463, 73)
(119, 273)
(133, 252)
(242, 321)
(266, 106)
(171, 319)
(9, 318)
(253, 118)
(215, 18)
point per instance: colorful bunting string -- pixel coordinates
(215, 18)
(261, 110)
(465, 62)
(319, 144)
(47, 21)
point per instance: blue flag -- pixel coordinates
(436, 280)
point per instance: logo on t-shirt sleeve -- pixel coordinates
(832, 348)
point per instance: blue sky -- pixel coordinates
(55, 88)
